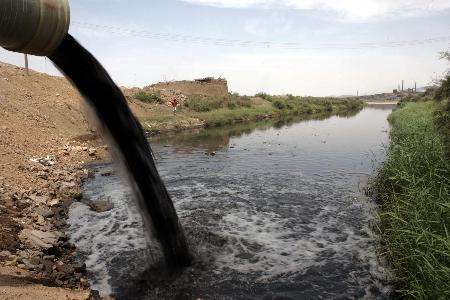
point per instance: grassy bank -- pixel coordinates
(413, 189)
(199, 111)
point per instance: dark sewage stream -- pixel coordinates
(273, 210)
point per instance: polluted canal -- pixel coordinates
(271, 211)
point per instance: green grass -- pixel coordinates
(443, 123)
(243, 110)
(226, 116)
(208, 111)
(310, 105)
(149, 97)
(413, 188)
(199, 103)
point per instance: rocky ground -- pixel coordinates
(45, 144)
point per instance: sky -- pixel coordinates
(301, 47)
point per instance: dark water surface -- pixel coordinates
(272, 211)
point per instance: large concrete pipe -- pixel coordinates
(33, 26)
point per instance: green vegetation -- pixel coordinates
(199, 103)
(238, 109)
(307, 105)
(413, 189)
(443, 123)
(204, 111)
(149, 97)
(442, 95)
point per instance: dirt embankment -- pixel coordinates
(45, 141)
(209, 87)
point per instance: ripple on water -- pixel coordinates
(280, 226)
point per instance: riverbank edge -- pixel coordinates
(225, 117)
(412, 188)
(45, 264)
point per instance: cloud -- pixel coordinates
(348, 10)
(274, 23)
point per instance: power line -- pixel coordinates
(208, 41)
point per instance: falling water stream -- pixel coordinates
(271, 211)
(126, 136)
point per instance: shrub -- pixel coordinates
(279, 104)
(149, 97)
(443, 91)
(263, 95)
(203, 104)
(236, 101)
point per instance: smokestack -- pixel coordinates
(402, 85)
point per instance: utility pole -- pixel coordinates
(26, 65)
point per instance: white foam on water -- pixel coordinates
(103, 236)
(271, 247)
(276, 249)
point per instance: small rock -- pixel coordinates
(5, 255)
(53, 202)
(39, 239)
(80, 267)
(28, 264)
(45, 212)
(77, 148)
(40, 220)
(92, 151)
(107, 173)
(11, 263)
(42, 175)
(45, 161)
(102, 205)
(38, 199)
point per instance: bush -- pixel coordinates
(203, 104)
(236, 101)
(443, 91)
(328, 106)
(149, 97)
(263, 96)
(443, 123)
(278, 104)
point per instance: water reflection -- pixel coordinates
(218, 138)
